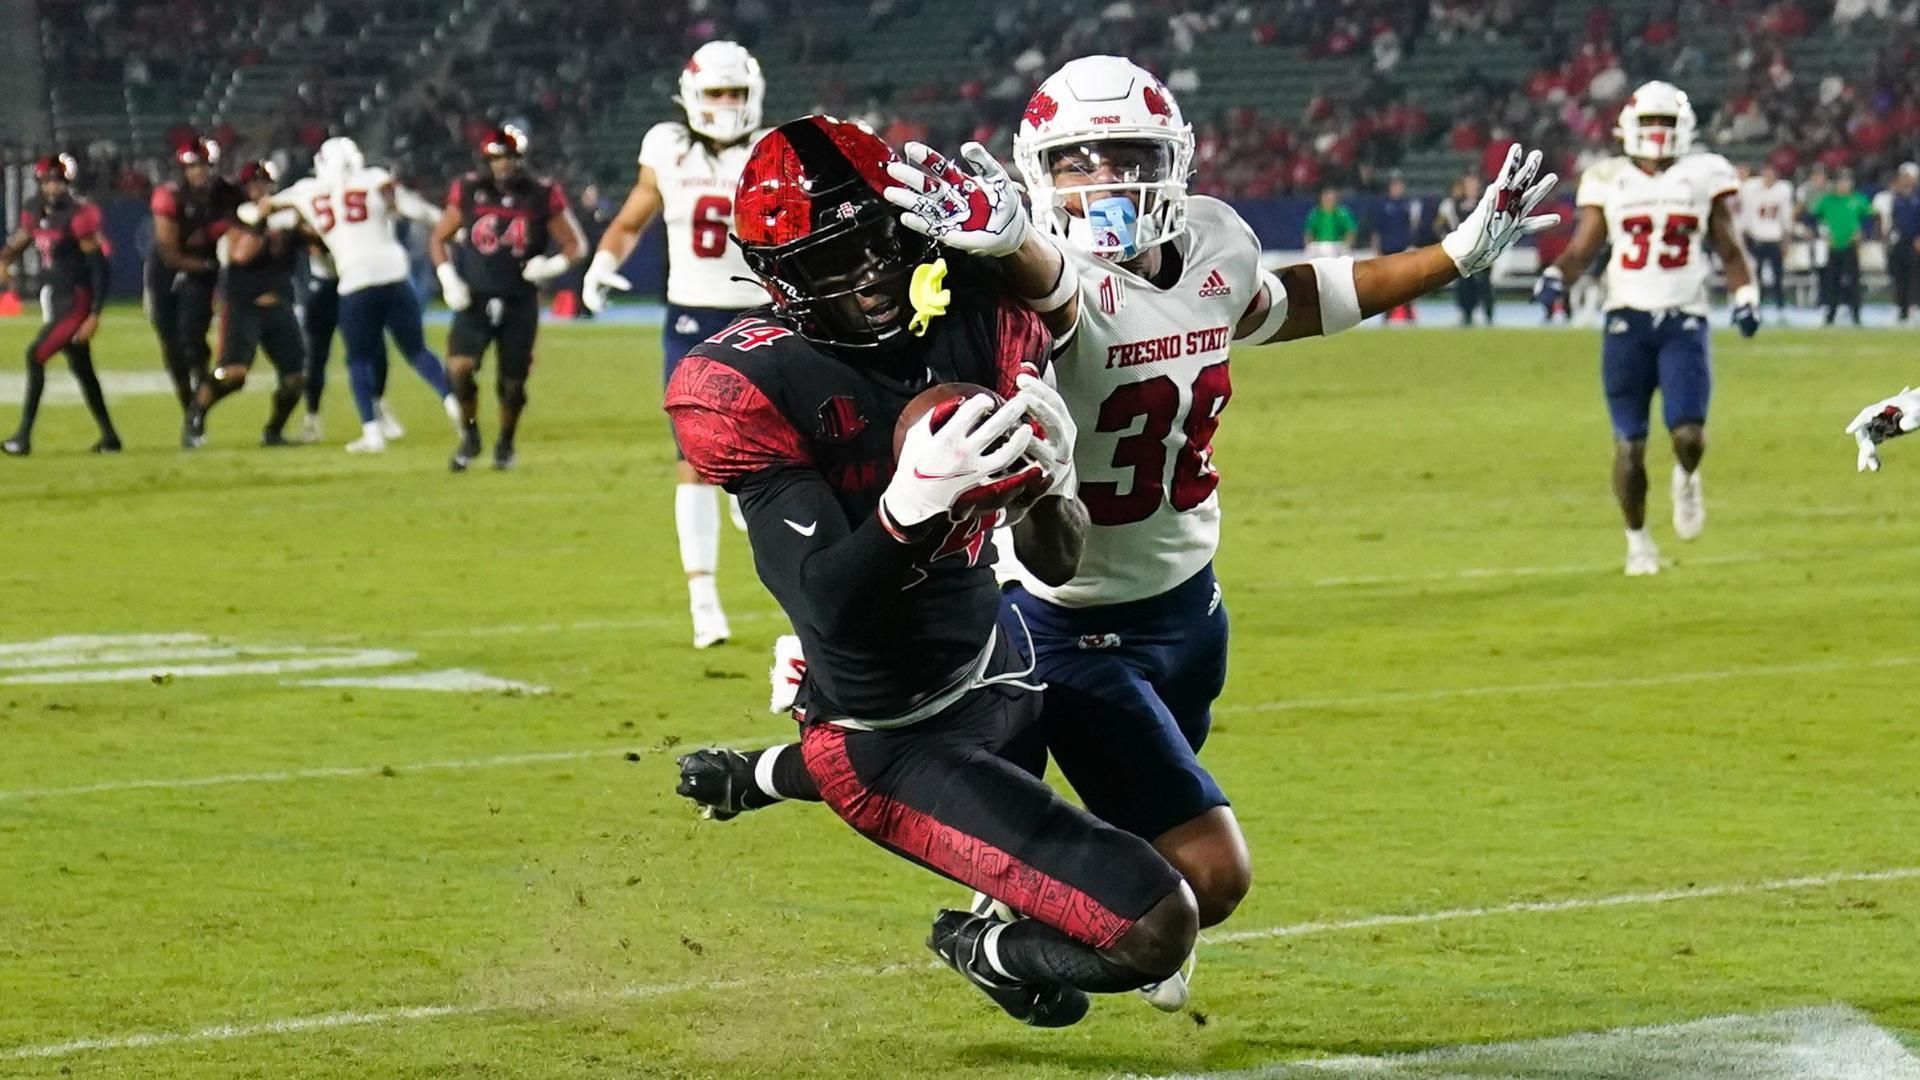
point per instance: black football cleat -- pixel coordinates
(464, 454)
(503, 456)
(718, 780)
(271, 437)
(18, 446)
(955, 939)
(105, 446)
(193, 433)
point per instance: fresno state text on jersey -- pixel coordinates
(697, 181)
(1657, 224)
(505, 225)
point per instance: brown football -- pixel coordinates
(944, 398)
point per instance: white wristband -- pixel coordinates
(1339, 299)
(1063, 290)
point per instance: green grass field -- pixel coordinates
(1445, 699)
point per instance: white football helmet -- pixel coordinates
(336, 158)
(722, 65)
(1106, 113)
(1657, 122)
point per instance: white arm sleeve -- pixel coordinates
(1339, 299)
(413, 207)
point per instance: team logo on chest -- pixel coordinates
(1215, 285)
(840, 420)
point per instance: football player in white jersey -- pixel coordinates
(1660, 205)
(688, 171)
(1766, 217)
(352, 207)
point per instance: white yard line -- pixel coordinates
(1476, 573)
(1629, 682)
(392, 1017)
(286, 775)
(356, 658)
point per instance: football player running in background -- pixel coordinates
(492, 280)
(1661, 206)
(1766, 220)
(319, 318)
(256, 295)
(183, 270)
(65, 230)
(687, 176)
(352, 207)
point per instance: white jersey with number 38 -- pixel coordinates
(1145, 375)
(704, 268)
(1657, 224)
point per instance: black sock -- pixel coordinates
(1033, 952)
(30, 406)
(285, 397)
(80, 362)
(789, 778)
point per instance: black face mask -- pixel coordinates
(849, 288)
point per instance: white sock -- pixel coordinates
(379, 406)
(702, 591)
(990, 949)
(696, 514)
(1639, 539)
(371, 430)
(763, 772)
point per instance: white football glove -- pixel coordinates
(603, 274)
(453, 288)
(978, 212)
(1881, 421)
(1502, 218)
(1052, 447)
(953, 470)
(544, 268)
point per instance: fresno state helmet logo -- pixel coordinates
(1041, 108)
(1156, 102)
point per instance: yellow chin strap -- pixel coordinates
(928, 294)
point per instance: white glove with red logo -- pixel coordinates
(1502, 218)
(1881, 421)
(960, 466)
(978, 212)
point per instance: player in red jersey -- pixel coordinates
(65, 230)
(917, 695)
(183, 271)
(491, 279)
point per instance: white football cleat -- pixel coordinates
(1689, 504)
(390, 428)
(709, 626)
(311, 429)
(367, 444)
(1643, 557)
(1170, 994)
(789, 667)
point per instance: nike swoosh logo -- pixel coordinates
(803, 530)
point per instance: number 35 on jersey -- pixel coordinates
(1657, 224)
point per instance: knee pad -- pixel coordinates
(513, 393)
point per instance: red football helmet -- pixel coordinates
(258, 170)
(503, 141)
(809, 218)
(55, 167)
(197, 151)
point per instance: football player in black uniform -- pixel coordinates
(256, 312)
(492, 280)
(189, 216)
(916, 693)
(65, 230)
(319, 318)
